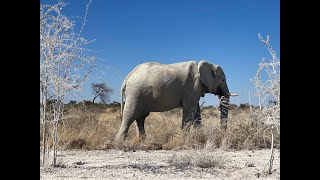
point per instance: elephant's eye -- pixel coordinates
(223, 80)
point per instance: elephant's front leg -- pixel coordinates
(189, 115)
(197, 119)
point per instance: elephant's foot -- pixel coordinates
(119, 141)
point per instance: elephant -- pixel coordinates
(155, 87)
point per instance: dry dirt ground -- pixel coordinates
(116, 164)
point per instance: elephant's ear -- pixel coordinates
(207, 75)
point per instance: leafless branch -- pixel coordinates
(65, 65)
(268, 89)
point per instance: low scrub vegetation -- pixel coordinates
(94, 126)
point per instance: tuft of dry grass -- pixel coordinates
(197, 159)
(95, 127)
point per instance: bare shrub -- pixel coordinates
(268, 89)
(64, 67)
(268, 94)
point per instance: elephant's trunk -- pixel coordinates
(224, 98)
(224, 109)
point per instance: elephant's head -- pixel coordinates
(213, 77)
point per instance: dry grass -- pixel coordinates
(196, 159)
(95, 127)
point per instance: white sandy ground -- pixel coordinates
(116, 164)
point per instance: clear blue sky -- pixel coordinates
(224, 32)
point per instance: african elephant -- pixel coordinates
(155, 87)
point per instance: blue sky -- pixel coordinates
(223, 32)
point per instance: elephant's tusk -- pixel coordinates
(229, 94)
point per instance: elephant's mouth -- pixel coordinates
(219, 93)
(226, 95)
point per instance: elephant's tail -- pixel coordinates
(123, 88)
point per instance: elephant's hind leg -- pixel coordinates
(140, 126)
(132, 111)
(123, 131)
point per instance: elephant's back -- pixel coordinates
(156, 76)
(154, 73)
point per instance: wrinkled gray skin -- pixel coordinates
(155, 87)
